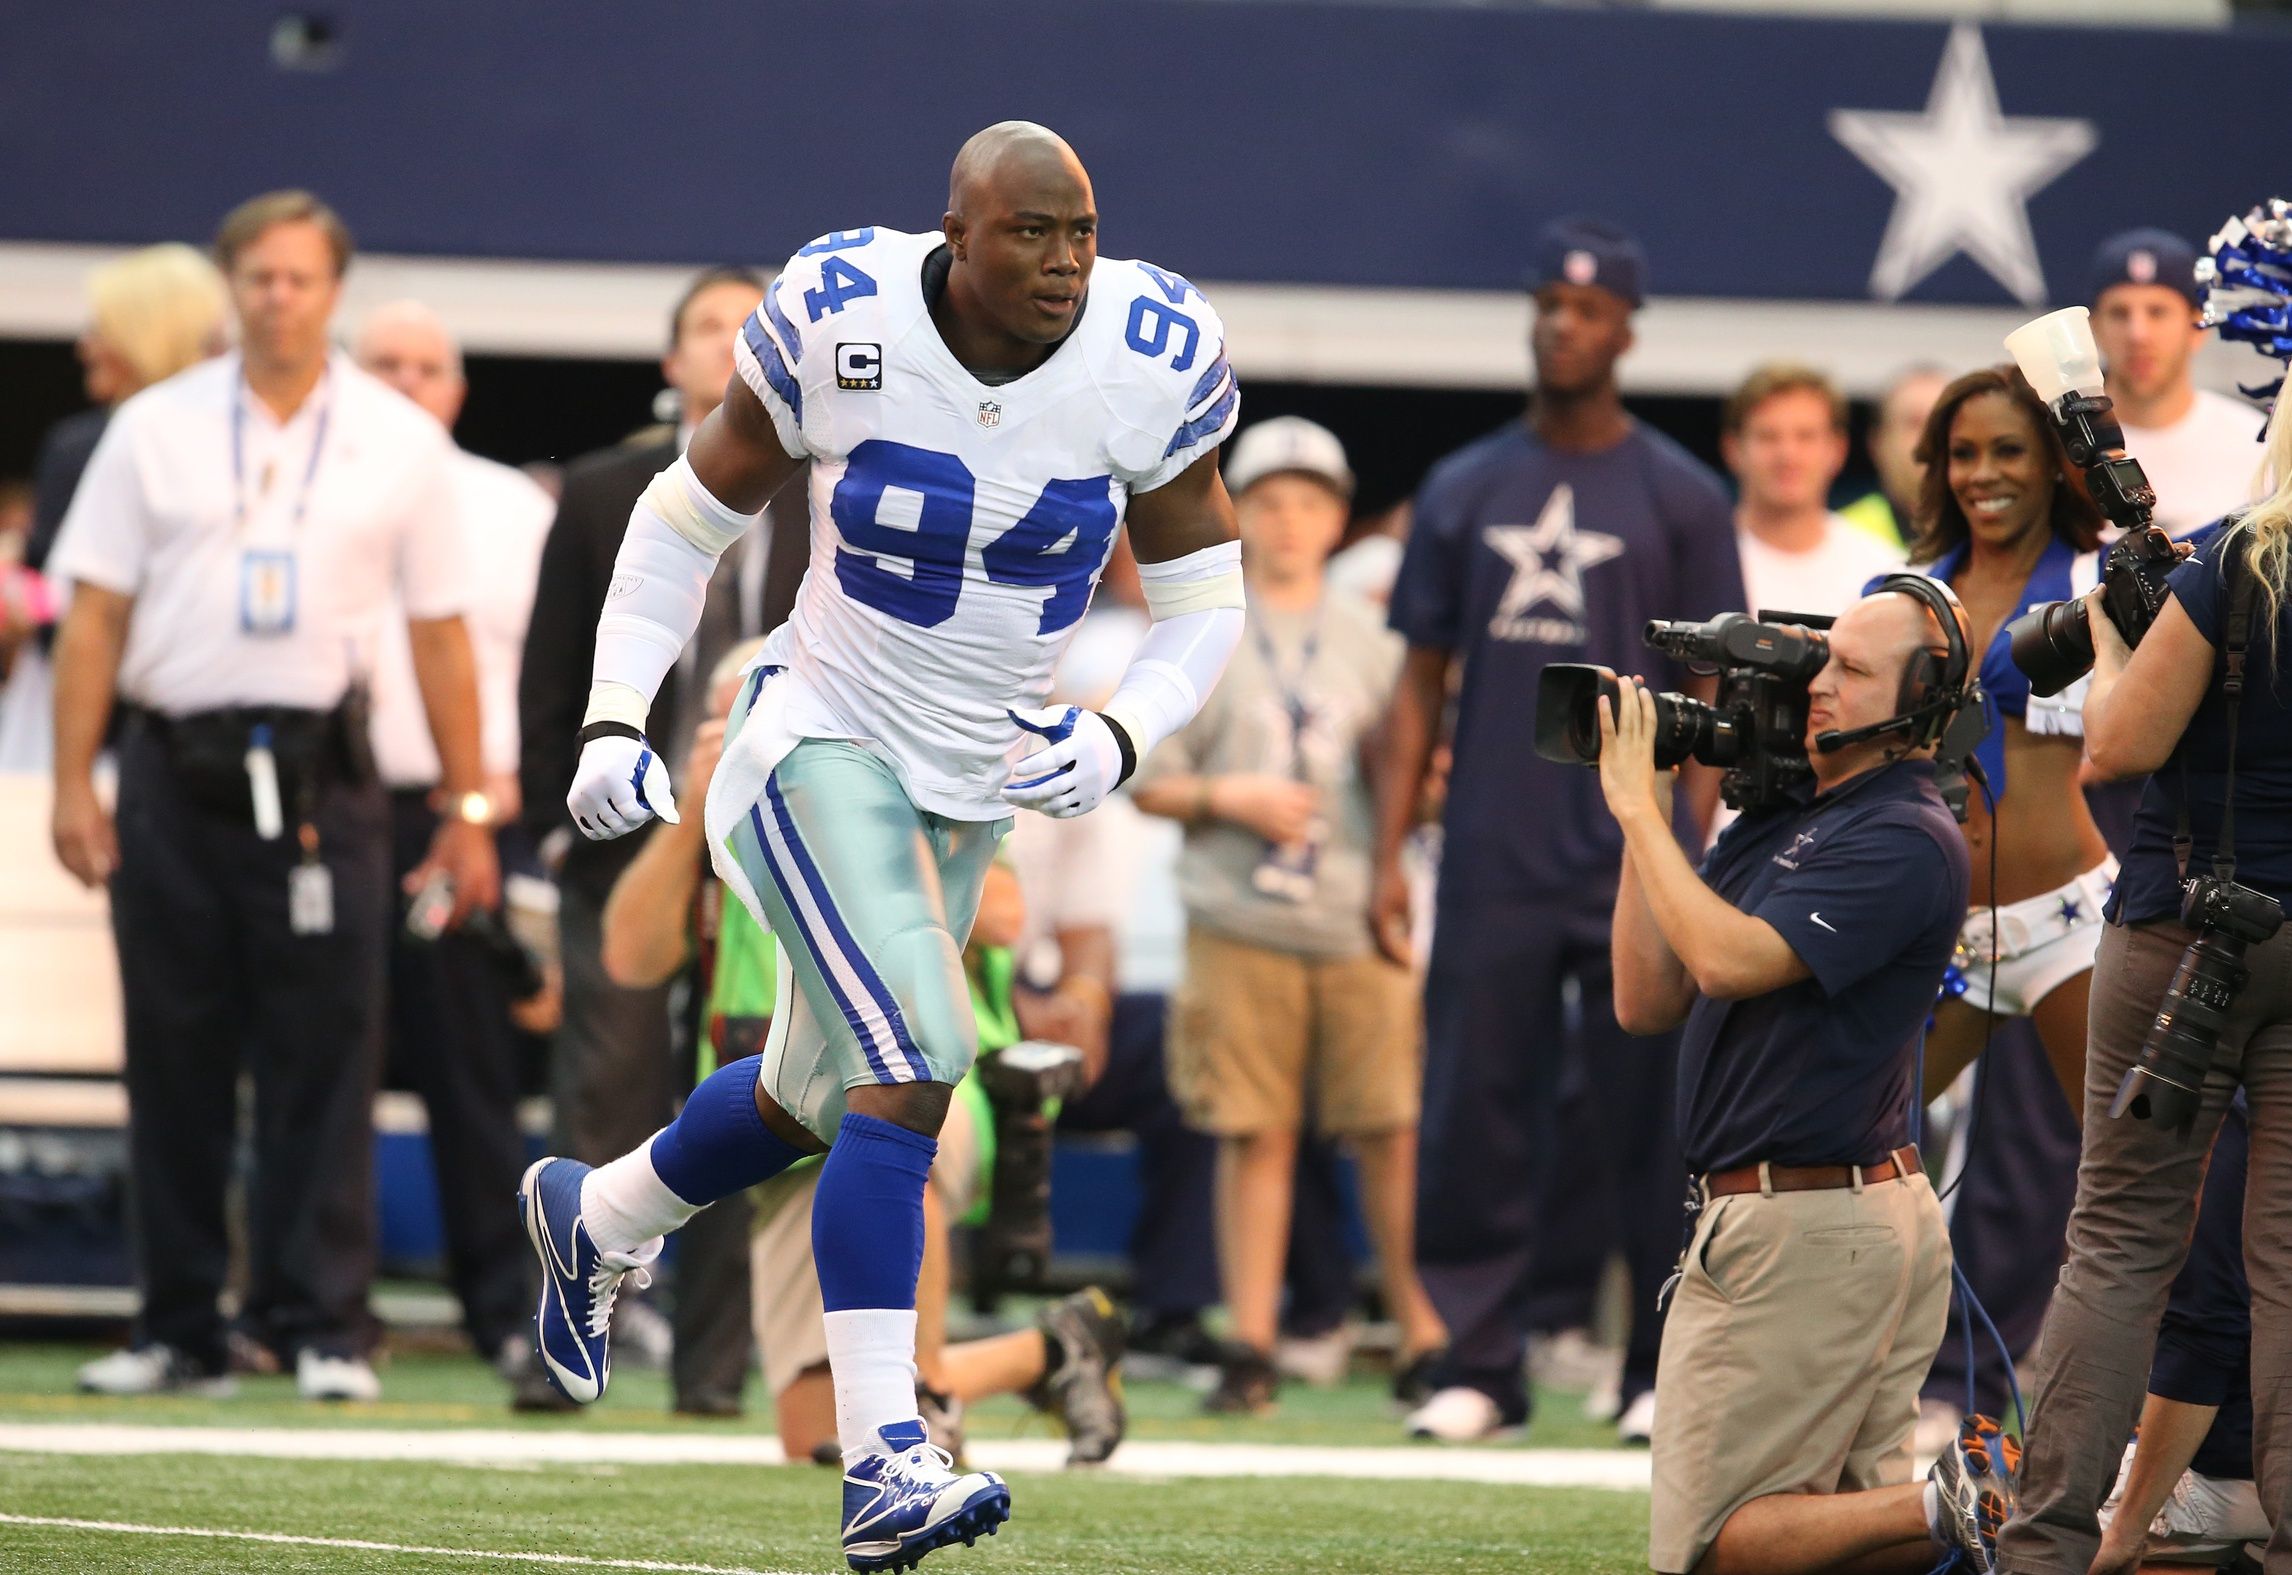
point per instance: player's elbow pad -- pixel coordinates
(660, 581)
(1196, 602)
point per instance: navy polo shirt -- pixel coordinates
(2204, 1345)
(1520, 554)
(1867, 883)
(2148, 883)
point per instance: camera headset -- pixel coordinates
(1941, 699)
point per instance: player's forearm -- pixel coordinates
(88, 649)
(676, 533)
(2171, 1431)
(1196, 603)
(445, 670)
(1405, 746)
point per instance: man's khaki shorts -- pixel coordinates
(785, 1307)
(1802, 1326)
(1254, 1032)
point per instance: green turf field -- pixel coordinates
(755, 1518)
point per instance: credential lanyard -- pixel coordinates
(239, 457)
(1290, 688)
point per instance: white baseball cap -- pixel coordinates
(1288, 443)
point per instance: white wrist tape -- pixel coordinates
(611, 702)
(678, 498)
(660, 581)
(1209, 578)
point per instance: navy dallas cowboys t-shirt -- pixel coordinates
(1521, 554)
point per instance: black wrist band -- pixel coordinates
(1122, 742)
(597, 730)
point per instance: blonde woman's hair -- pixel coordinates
(161, 309)
(2269, 522)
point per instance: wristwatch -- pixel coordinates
(471, 809)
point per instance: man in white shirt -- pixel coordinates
(2198, 448)
(1783, 434)
(233, 551)
(451, 1038)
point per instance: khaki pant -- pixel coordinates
(1254, 1033)
(2137, 1190)
(1800, 1331)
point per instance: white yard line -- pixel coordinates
(1576, 1468)
(123, 1528)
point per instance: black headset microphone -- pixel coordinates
(1948, 709)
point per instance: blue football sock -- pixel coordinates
(719, 1144)
(867, 1216)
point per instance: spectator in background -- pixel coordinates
(233, 549)
(2199, 449)
(151, 314)
(451, 1037)
(1287, 1002)
(1783, 434)
(1554, 538)
(1890, 513)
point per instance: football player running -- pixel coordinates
(980, 409)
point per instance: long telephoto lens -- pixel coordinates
(2052, 645)
(2166, 1083)
(1568, 720)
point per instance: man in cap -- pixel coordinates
(2197, 447)
(1285, 995)
(1553, 539)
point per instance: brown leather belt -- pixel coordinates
(1810, 1178)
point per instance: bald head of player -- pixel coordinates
(1023, 227)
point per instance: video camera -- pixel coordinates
(2052, 643)
(1756, 729)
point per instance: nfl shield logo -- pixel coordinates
(2141, 267)
(1580, 267)
(990, 414)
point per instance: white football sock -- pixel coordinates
(626, 1204)
(871, 1352)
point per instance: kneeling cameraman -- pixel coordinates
(1803, 962)
(2192, 994)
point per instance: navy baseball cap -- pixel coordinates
(1584, 250)
(2144, 257)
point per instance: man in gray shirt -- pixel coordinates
(1285, 996)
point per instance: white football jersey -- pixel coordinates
(959, 528)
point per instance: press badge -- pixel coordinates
(310, 900)
(266, 593)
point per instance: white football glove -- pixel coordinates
(619, 784)
(1081, 762)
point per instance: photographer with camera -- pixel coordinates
(2194, 994)
(1801, 962)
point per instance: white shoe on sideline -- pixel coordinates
(1460, 1415)
(153, 1370)
(318, 1376)
(1638, 1423)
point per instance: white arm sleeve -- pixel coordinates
(660, 582)
(1197, 606)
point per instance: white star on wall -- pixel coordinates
(1963, 173)
(1548, 559)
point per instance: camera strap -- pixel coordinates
(2237, 641)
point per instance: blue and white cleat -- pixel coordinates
(909, 1500)
(573, 1326)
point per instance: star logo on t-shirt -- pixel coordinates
(1548, 562)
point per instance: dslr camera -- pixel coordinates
(2166, 1083)
(1756, 728)
(2052, 643)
